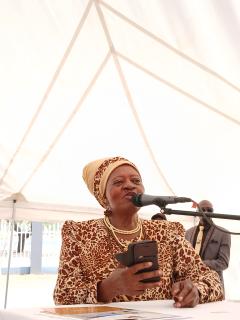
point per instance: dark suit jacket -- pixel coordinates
(215, 251)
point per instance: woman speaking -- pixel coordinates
(89, 271)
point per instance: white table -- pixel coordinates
(227, 310)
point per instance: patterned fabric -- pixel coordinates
(96, 174)
(88, 256)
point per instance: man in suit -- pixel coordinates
(214, 247)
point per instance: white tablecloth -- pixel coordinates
(227, 310)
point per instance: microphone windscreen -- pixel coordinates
(136, 200)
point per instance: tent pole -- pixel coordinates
(10, 251)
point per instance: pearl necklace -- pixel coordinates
(120, 231)
(112, 229)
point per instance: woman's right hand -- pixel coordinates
(126, 281)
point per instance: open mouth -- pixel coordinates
(129, 195)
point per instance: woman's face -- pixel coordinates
(123, 183)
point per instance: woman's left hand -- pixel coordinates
(185, 294)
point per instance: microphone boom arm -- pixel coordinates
(199, 214)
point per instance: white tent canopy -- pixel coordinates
(154, 81)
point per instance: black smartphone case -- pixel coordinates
(141, 251)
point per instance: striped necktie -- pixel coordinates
(199, 239)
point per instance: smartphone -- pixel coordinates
(141, 251)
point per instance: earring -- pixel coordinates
(107, 212)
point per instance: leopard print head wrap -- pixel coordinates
(96, 174)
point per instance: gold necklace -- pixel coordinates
(111, 228)
(120, 231)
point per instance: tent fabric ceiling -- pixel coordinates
(157, 82)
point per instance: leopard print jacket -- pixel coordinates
(88, 256)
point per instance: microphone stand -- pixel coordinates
(199, 214)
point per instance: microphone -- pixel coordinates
(141, 200)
